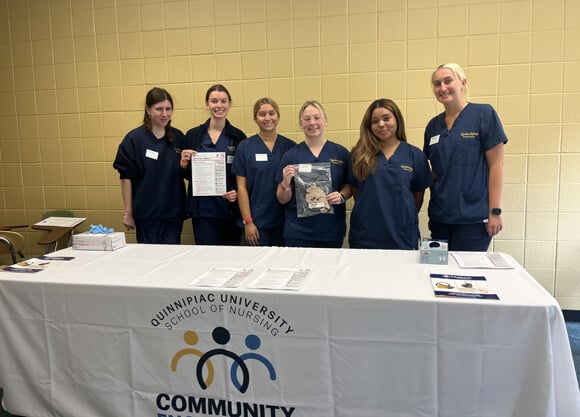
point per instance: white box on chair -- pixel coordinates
(99, 241)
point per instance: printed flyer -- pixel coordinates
(461, 286)
(38, 264)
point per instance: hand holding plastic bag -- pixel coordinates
(312, 182)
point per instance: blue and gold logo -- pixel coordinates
(206, 359)
(222, 336)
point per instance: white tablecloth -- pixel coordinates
(123, 334)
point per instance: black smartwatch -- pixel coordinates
(495, 211)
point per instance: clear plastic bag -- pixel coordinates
(312, 182)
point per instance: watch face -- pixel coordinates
(495, 211)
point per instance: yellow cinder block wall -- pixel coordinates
(74, 73)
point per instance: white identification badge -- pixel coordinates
(230, 159)
(434, 140)
(262, 157)
(151, 154)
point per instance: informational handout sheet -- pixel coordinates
(34, 265)
(61, 221)
(291, 279)
(484, 260)
(461, 286)
(208, 174)
(221, 277)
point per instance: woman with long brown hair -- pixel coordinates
(151, 182)
(389, 177)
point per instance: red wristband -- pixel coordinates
(247, 221)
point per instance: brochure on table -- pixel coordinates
(291, 279)
(462, 286)
(281, 279)
(221, 277)
(38, 264)
(481, 260)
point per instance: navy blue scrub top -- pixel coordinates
(152, 165)
(384, 215)
(258, 165)
(322, 227)
(217, 206)
(459, 193)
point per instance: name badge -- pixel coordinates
(151, 154)
(230, 159)
(262, 157)
(434, 140)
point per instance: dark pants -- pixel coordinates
(216, 232)
(163, 232)
(461, 237)
(303, 243)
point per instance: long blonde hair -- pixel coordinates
(366, 150)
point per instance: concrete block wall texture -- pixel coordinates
(74, 74)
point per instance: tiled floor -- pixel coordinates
(573, 333)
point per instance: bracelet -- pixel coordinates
(284, 188)
(247, 221)
(342, 198)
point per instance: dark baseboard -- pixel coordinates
(571, 315)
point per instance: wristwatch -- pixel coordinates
(495, 211)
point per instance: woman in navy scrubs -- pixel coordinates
(322, 230)
(255, 165)
(151, 182)
(465, 146)
(214, 218)
(389, 177)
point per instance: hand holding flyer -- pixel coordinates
(208, 174)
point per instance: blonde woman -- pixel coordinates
(323, 230)
(465, 147)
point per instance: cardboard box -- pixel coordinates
(434, 252)
(99, 241)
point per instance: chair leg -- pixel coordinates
(10, 248)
